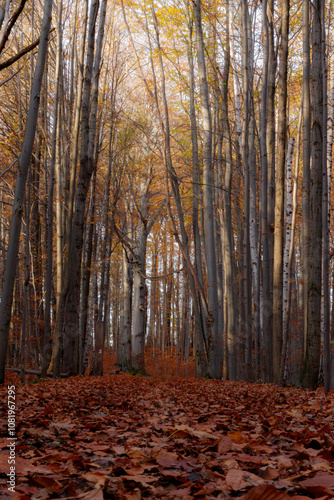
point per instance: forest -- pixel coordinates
(166, 184)
(166, 244)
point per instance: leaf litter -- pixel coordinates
(123, 437)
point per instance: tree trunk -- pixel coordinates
(306, 159)
(330, 124)
(266, 305)
(279, 194)
(247, 272)
(99, 345)
(71, 288)
(86, 276)
(47, 348)
(214, 336)
(311, 364)
(139, 287)
(23, 168)
(325, 216)
(124, 357)
(271, 128)
(227, 228)
(196, 198)
(290, 220)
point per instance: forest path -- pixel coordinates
(126, 437)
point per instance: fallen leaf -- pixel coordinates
(239, 479)
(143, 480)
(265, 492)
(47, 482)
(193, 432)
(23, 466)
(96, 478)
(320, 479)
(133, 495)
(225, 444)
(237, 437)
(167, 458)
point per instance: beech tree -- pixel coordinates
(311, 364)
(70, 295)
(279, 193)
(23, 169)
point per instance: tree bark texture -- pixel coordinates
(279, 193)
(23, 168)
(311, 364)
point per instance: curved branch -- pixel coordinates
(11, 23)
(18, 56)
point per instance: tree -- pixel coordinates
(311, 364)
(279, 192)
(23, 169)
(70, 296)
(213, 334)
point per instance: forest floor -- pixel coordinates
(131, 437)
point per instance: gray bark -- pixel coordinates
(23, 168)
(124, 351)
(266, 306)
(330, 123)
(325, 216)
(227, 228)
(139, 287)
(271, 127)
(279, 194)
(197, 197)
(86, 275)
(71, 288)
(310, 372)
(99, 345)
(247, 276)
(214, 336)
(290, 223)
(47, 348)
(306, 158)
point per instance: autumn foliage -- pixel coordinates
(130, 437)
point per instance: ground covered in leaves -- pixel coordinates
(130, 437)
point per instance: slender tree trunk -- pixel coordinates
(76, 125)
(279, 194)
(197, 196)
(71, 288)
(124, 357)
(311, 364)
(290, 219)
(47, 348)
(214, 336)
(325, 216)
(306, 158)
(227, 228)
(236, 85)
(330, 124)
(271, 138)
(26, 284)
(139, 288)
(247, 277)
(267, 303)
(86, 276)
(253, 224)
(23, 168)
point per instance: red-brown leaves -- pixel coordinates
(129, 438)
